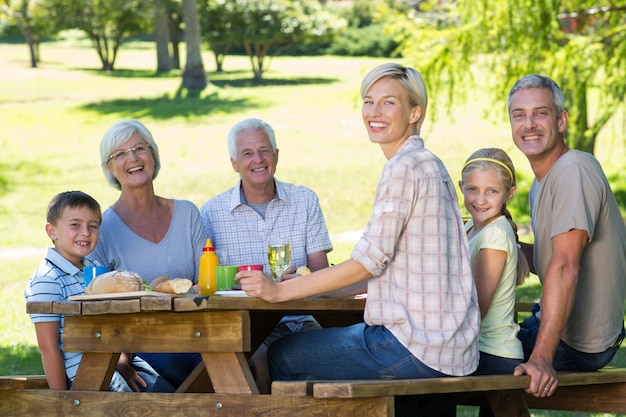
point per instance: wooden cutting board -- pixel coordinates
(122, 295)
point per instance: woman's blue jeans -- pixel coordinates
(355, 352)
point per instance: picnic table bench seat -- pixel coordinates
(599, 391)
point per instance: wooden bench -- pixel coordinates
(602, 391)
(19, 382)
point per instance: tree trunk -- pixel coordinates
(219, 59)
(37, 52)
(194, 77)
(32, 47)
(162, 37)
(175, 39)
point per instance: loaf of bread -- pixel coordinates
(114, 282)
(171, 286)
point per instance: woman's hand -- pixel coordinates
(256, 284)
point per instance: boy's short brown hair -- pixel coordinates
(71, 199)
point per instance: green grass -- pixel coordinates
(53, 118)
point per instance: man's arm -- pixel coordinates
(317, 260)
(559, 292)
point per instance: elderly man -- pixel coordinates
(241, 221)
(579, 252)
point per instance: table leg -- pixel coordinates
(95, 371)
(198, 381)
(229, 373)
(507, 403)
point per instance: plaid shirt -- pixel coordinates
(240, 235)
(416, 249)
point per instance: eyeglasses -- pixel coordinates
(123, 154)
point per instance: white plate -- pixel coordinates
(232, 293)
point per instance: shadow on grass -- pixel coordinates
(269, 82)
(166, 107)
(20, 360)
(235, 78)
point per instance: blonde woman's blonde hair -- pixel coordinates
(409, 77)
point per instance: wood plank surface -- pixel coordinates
(121, 306)
(38, 403)
(53, 307)
(229, 373)
(288, 307)
(21, 382)
(211, 331)
(507, 403)
(595, 398)
(121, 295)
(95, 371)
(368, 388)
(188, 303)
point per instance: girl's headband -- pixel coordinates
(495, 161)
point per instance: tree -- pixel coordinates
(216, 19)
(106, 22)
(265, 27)
(194, 77)
(175, 22)
(162, 37)
(31, 18)
(581, 44)
(167, 25)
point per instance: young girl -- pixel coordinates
(498, 265)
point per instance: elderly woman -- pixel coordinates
(421, 315)
(143, 232)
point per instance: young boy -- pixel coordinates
(73, 223)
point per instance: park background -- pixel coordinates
(52, 119)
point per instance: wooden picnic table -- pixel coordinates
(222, 329)
(225, 331)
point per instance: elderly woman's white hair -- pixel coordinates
(115, 136)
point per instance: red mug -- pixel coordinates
(251, 268)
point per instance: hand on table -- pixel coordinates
(257, 284)
(543, 379)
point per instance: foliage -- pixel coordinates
(363, 13)
(106, 22)
(31, 17)
(581, 44)
(366, 41)
(265, 28)
(216, 20)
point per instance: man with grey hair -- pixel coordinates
(241, 220)
(579, 248)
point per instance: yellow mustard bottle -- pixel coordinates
(208, 264)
